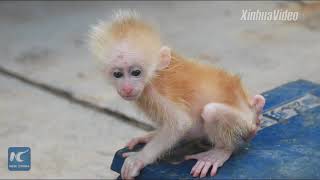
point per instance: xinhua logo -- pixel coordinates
(19, 158)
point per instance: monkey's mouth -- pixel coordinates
(130, 98)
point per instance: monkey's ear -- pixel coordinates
(165, 57)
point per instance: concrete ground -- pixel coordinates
(66, 139)
(75, 133)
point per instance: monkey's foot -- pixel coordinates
(214, 158)
(258, 104)
(144, 139)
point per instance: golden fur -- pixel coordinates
(191, 85)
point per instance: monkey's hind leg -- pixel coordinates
(226, 128)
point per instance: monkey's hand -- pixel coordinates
(144, 139)
(132, 165)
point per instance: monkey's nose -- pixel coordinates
(127, 90)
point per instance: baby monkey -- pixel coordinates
(184, 98)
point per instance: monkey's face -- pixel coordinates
(129, 80)
(128, 70)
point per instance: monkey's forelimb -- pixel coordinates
(143, 139)
(173, 129)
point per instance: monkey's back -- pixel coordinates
(194, 85)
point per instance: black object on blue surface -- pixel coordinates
(288, 146)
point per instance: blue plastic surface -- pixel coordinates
(290, 148)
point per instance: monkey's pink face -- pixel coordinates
(126, 73)
(129, 81)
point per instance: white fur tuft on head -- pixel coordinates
(99, 35)
(124, 14)
(97, 39)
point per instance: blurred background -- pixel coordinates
(54, 99)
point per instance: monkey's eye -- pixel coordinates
(136, 73)
(117, 74)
